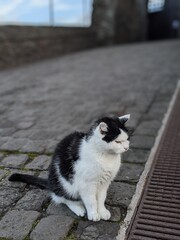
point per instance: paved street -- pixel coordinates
(42, 102)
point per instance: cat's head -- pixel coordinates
(112, 135)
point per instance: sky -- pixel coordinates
(36, 12)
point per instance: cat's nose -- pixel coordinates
(126, 148)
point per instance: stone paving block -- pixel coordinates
(1, 156)
(33, 200)
(149, 128)
(2, 141)
(8, 196)
(116, 214)
(25, 133)
(136, 156)
(14, 144)
(120, 194)
(16, 224)
(41, 162)
(43, 174)
(157, 111)
(100, 230)
(45, 134)
(7, 131)
(15, 161)
(3, 173)
(34, 146)
(19, 185)
(51, 145)
(60, 210)
(52, 228)
(24, 125)
(142, 142)
(129, 172)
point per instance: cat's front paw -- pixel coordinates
(93, 216)
(104, 214)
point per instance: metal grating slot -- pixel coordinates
(158, 213)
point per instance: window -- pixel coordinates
(46, 12)
(155, 5)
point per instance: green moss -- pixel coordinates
(6, 153)
(71, 237)
(26, 238)
(35, 223)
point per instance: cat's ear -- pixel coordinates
(103, 128)
(124, 118)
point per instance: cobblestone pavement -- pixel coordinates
(42, 102)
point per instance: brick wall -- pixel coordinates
(23, 44)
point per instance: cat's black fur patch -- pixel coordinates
(67, 152)
(54, 185)
(114, 126)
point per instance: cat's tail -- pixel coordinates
(33, 180)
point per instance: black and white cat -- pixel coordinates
(83, 166)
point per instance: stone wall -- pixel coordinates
(23, 44)
(119, 21)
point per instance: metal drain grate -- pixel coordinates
(158, 213)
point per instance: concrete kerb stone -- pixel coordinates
(139, 188)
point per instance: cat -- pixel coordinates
(83, 166)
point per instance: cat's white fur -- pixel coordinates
(98, 165)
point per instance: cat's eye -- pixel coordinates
(118, 141)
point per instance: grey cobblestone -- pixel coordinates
(14, 160)
(101, 231)
(149, 128)
(8, 196)
(24, 125)
(142, 142)
(5, 182)
(1, 156)
(136, 156)
(129, 172)
(50, 147)
(120, 194)
(116, 214)
(33, 200)
(3, 173)
(52, 228)
(16, 224)
(34, 146)
(2, 141)
(60, 210)
(6, 131)
(14, 144)
(41, 162)
(44, 174)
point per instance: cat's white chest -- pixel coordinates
(109, 166)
